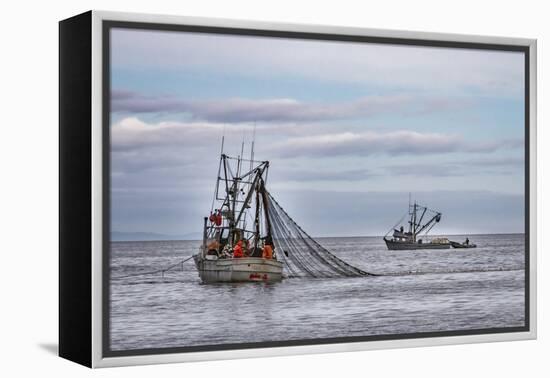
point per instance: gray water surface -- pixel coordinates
(418, 291)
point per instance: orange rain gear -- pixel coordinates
(238, 250)
(216, 218)
(267, 253)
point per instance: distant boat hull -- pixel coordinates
(406, 245)
(462, 245)
(245, 269)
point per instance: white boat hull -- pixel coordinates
(245, 269)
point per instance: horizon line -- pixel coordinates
(331, 237)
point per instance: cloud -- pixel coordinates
(122, 94)
(163, 172)
(131, 133)
(495, 73)
(234, 110)
(465, 167)
(431, 170)
(163, 175)
(133, 102)
(498, 161)
(400, 142)
(301, 175)
(494, 145)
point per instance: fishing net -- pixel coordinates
(301, 255)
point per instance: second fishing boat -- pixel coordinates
(410, 239)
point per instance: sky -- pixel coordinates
(350, 129)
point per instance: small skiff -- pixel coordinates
(462, 245)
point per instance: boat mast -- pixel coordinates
(266, 207)
(227, 200)
(410, 215)
(252, 153)
(216, 191)
(414, 222)
(257, 221)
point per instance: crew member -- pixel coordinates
(218, 220)
(267, 252)
(216, 217)
(238, 250)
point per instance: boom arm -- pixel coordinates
(435, 218)
(259, 173)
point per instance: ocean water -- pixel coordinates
(417, 291)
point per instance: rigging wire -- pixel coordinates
(162, 271)
(397, 224)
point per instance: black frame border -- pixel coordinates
(75, 189)
(108, 25)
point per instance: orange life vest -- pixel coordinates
(267, 253)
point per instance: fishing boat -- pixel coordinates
(416, 235)
(237, 243)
